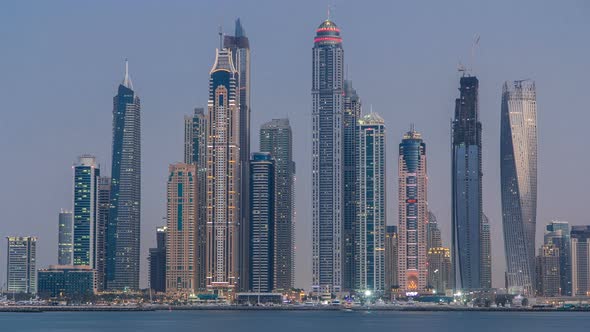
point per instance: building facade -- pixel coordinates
(239, 45)
(157, 262)
(262, 222)
(580, 237)
(413, 213)
(195, 152)
(102, 221)
(486, 254)
(67, 281)
(518, 173)
(21, 265)
(548, 271)
(391, 258)
(223, 176)
(434, 239)
(439, 269)
(276, 137)
(86, 175)
(327, 143)
(181, 216)
(65, 240)
(123, 229)
(467, 203)
(557, 233)
(371, 210)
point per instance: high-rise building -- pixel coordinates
(434, 239)
(122, 240)
(327, 174)
(486, 254)
(350, 118)
(548, 276)
(65, 241)
(195, 152)
(262, 222)
(86, 175)
(21, 264)
(276, 138)
(467, 204)
(439, 269)
(413, 213)
(223, 176)
(580, 237)
(157, 261)
(239, 45)
(518, 172)
(102, 220)
(181, 216)
(391, 258)
(558, 234)
(371, 210)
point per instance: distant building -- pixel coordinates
(391, 258)
(21, 264)
(276, 137)
(262, 222)
(181, 216)
(413, 213)
(558, 234)
(65, 241)
(66, 281)
(371, 208)
(485, 273)
(102, 220)
(86, 175)
(548, 271)
(580, 237)
(433, 233)
(157, 262)
(518, 174)
(439, 269)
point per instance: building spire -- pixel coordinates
(220, 37)
(127, 80)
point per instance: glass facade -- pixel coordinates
(558, 233)
(21, 275)
(65, 240)
(86, 175)
(71, 282)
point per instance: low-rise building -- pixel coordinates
(66, 281)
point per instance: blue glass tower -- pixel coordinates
(86, 175)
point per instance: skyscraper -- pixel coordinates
(21, 264)
(350, 117)
(223, 176)
(122, 242)
(276, 138)
(86, 175)
(413, 213)
(547, 267)
(518, 172)
(467, 204)
(195, 152)
(486, 254)
(157, 261)
(102, 221)
(558, 234)
(391, 257)
(439, 269)
(65, 241)
(371, 198)
(262, 222)
(434, 239)
(181, 216)
(580, 237)
(327, 175)
(239, 45)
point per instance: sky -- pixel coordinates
(61, 62)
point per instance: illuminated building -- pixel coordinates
(86, 175)
(72, 282)
(439, 269)
(371, 216)
(102, 220)
(518, 173)
(558, 234)
(580, 237)
(391, 258)
(327, 159)
(65, 243)
(413, 213)
(434, 237)
(21, 264)
(157, 261)
(548, 271)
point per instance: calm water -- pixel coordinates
(240, 321)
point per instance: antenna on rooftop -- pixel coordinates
(220, 37)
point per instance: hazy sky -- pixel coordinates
(61, 62)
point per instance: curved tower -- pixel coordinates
(327, 176)
(518, 173)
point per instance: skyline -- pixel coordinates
(435, 129)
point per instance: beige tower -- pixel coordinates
(181, 248)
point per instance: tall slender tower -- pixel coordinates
(223, 176)
(239, 45)
(86, 175)
(102, 220)
(467, 204)
(486, 254)
(391, 257)
(557, 233)
(122, 240)
(276, 138)
(350, 118)
(518, 172)
(371, 216)
(580, 259)
(181, 215)
(195, 152)
(413, 213)
(65, 242)
(327, 176)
